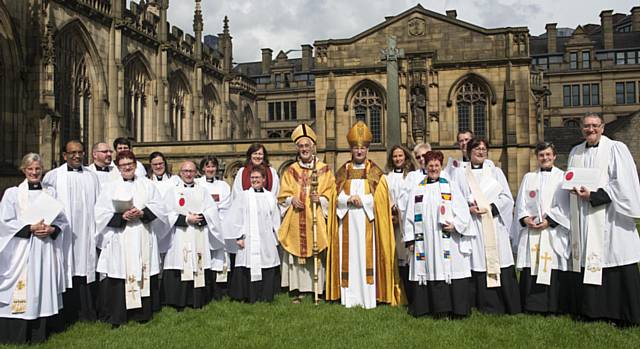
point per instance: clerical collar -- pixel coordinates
(307, 165)
(429, 180)
(546, 169)
(35, 186)
(398, 170)
(592, 146)
(210, 180)
(159, 178)
(189, 185)
(359, 166)
(130, 179)
(261, 190)
(102, 169)
(71, 169)
(475, 167)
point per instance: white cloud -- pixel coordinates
(287, 24)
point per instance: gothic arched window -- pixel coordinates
(136, 78)
(72, 87)
(178, 93)
(208, 111)
(367, 106)
(471, 100)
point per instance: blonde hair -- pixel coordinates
(28, 159)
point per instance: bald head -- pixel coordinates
(188, 171)
(101, 153)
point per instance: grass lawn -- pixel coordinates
(285, 325)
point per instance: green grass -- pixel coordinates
(281, 324)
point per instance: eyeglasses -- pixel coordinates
(74, 153)
(126, 164)
(590, 126)
(480, 150)
(304, 146)
(187, 171)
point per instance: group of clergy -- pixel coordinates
(108, 242)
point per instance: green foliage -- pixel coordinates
(228, 324)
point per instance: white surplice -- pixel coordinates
(41, 258)
(621, 244)
(181, 241)
(544, 188)
(259, 229)
(78, 191)
(104, 176)
(396, 182)
(489, 176)
(220, 192)
(112, 261)
(445, 256)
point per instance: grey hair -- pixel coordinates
(592, 115)
(425, 146)
(28, 159)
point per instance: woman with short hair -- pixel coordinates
(257, 155)
(130, 219)
(436, 229)
(32, 266)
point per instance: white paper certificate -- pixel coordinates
(44, 208)
(577, 177)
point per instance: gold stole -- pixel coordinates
(344, 272)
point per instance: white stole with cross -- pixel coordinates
(539, 196)
(594, 224)
(191, 241)
(136, 248)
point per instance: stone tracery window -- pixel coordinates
(178, 93)
(367, 106)
(136, 79)
(471, 100)
(72, 87)
(208, 112)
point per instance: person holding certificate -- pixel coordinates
(491, 207)
(605, 247)
(195, 230)
(541, 237)
(130, 218)
(32, 280)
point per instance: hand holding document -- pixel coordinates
(45, 209)
(577, 177)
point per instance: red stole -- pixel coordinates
(246, 181)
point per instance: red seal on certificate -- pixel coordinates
(443, 210)
(569, 176)
(532, 194)
(215, 197)
(455, 163)
(181, 202)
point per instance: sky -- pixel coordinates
(287, 24)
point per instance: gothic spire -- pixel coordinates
(197, 18)
(225, 29)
